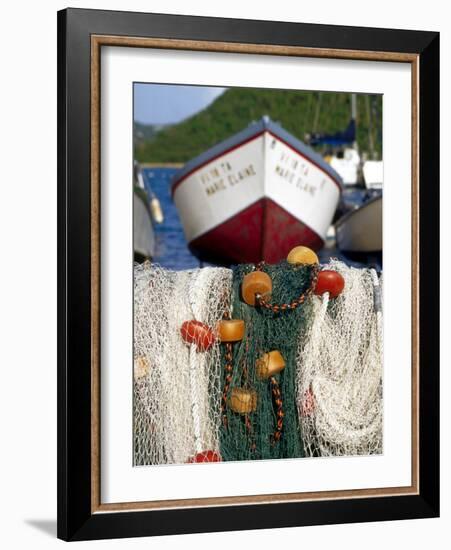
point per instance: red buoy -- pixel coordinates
(205, 456)
(195, 332)
(331, 282)
(308, 404)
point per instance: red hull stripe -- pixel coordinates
(222, 153)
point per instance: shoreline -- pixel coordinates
(162, 164)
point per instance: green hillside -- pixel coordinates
(146, 132)
(298, 112)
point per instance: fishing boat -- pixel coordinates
(255, 196)
(146, 212)
(360, 229)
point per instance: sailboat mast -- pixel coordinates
(370, 127)
(354, 117)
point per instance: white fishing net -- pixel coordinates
(339, 375)
(177, 390)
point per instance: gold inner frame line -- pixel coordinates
(97, 41)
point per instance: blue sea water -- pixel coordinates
(171, 248)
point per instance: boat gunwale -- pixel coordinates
(347, 215)
(247, 135)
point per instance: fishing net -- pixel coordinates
(176, 388)
(212, 402)
(255, 435)
(339, 376)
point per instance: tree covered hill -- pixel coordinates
(146, 132)
(298, 112)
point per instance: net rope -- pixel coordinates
(327, 401)
(339, 375)
(253, 436)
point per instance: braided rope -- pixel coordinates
(277, 308)
(277, 395)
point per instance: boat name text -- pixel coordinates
(222, 176)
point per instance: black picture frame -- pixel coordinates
(76, 518)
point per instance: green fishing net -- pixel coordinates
(251, 436)
(328, 396)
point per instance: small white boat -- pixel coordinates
(143, 233)
(145, 212)
(360, 230)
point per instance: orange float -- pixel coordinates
(205, 456)
(269, 364)
(230, 330)
(256, 282)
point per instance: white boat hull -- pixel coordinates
(361, 230)
(143, 231)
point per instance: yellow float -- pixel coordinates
(243, 401)
(302, 255)
(141, 367)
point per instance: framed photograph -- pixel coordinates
(248, 274)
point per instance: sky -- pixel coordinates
(169, 104)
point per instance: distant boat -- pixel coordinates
(343, 153)
(373, 174)
(255, 196)
(347, 164)
(146, 212)
(338, 139)
(360, 229)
